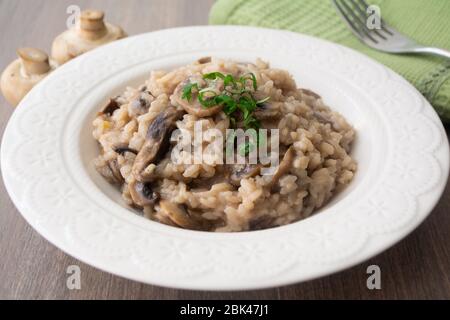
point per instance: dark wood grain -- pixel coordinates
(31, 268)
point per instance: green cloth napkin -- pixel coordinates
(428, 22)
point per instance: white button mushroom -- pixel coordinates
(89, 32)
(24, 73)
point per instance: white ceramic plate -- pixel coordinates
(401, 149)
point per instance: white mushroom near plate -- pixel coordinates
(90, 32)
(23, 74)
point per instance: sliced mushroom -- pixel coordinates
(157, 142)
(142, 193)
(283, 167)
(110, 170)
(239, 172)
(262, 222)
(89, 32)
(204, 60)
(193, 106)
(122, 149)
(179, 215)
(24, 73)
(310, 93)
(112, 106)
(115, 169)
(325, 118)
(141, 103)
(268, 110)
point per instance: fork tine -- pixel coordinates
(363, 12)
(348, 13)
(350, 23)
(384, 27)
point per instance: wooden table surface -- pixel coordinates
(31, 268)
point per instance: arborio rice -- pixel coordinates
(134, 128)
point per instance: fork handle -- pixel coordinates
(434, 51)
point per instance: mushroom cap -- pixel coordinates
(142, 193)
(90, 32)
(24, 73)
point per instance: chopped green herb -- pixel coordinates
(230, 105)
(249, 76)
(263, 100)
(229, 80)
(249, 146)
(235, 98)
(214, 76)
(187, 91)
(207, 98)
(246, 148)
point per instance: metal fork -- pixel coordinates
(387, 39)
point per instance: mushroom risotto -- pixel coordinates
(310, 143)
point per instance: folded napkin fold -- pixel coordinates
(428, 22)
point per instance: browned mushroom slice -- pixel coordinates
(142, 193)
(204, 60)
(260, 223)
(110, 170)
(179, 215)
(112, 106)
(193, 106)
(283, 167)
(325, 118)
(157, 142)
(115, 169)
(268, 110)
(239, 172)
(310, 93)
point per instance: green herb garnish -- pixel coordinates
(235, 98)
(249, 76)
(262, 101)
(187, 91)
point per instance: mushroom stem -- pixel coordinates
(34, 61)
(91, 31)
(21, 75)
(92, 25)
